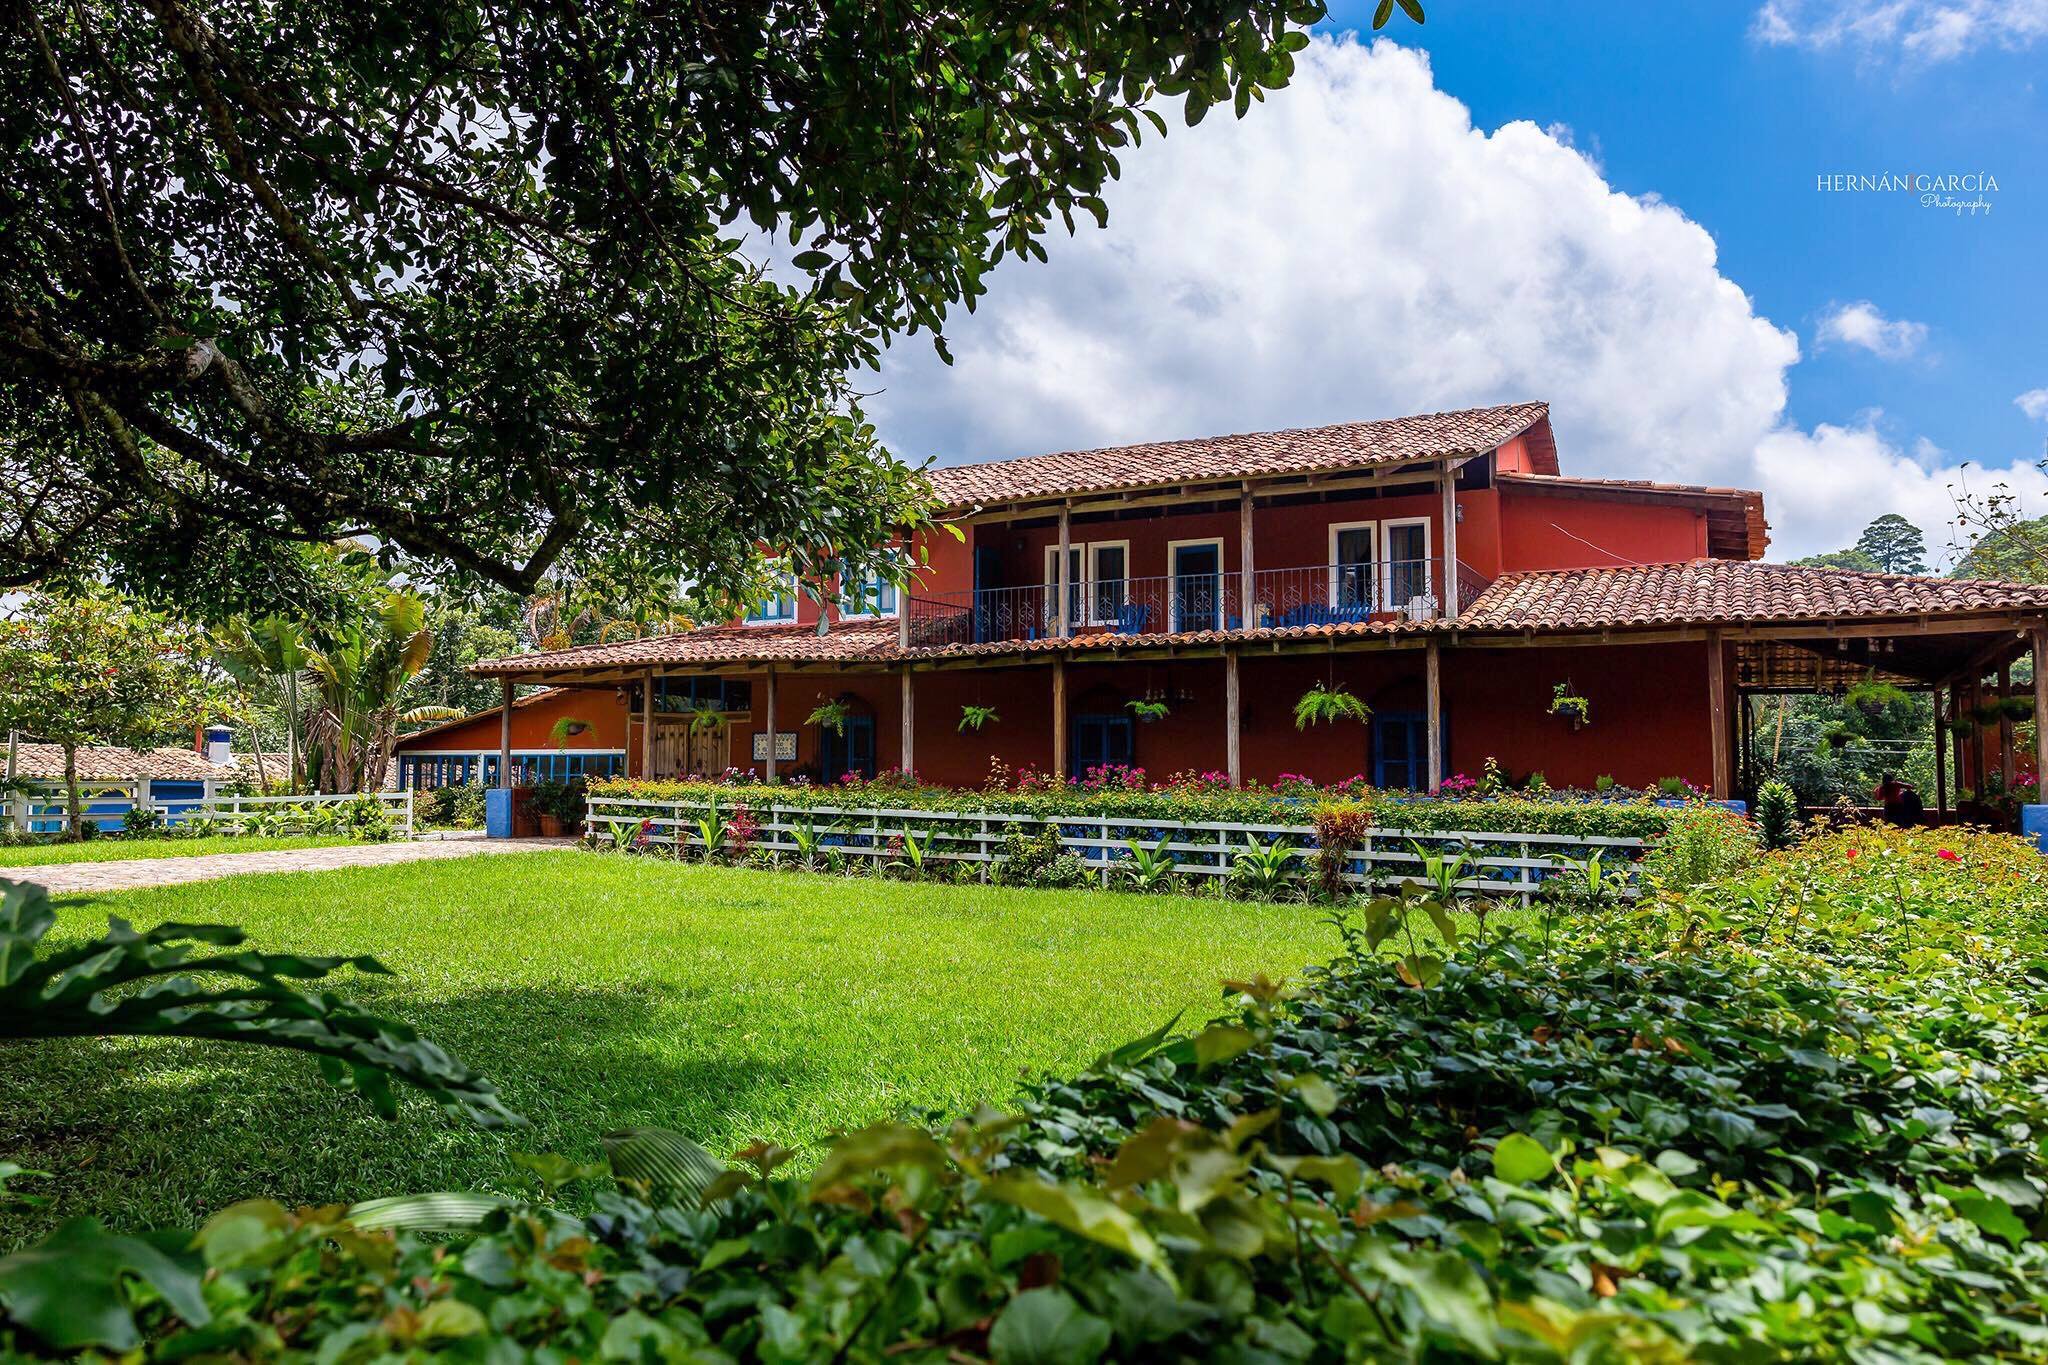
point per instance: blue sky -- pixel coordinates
(1684, 101)
(1612, 207)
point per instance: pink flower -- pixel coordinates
(1948, 855)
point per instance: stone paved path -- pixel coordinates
(121, 875)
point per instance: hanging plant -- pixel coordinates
(1986, 712)
(705, 717)
(2016, 708)
(1149, 711)
(565, 729)
(1332, 704)
(974, 717)
(1871, 697)
(1567, 703)
(830, 715)
(1964, 725)
(1838, 736)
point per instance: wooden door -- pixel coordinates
(709, 750)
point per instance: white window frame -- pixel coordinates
(1173, 548)
(1077, 586)
(787, 578)
(871, 608)
(1387, 561)
(1095, 577)
(1372, 559)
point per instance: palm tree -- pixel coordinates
(274, 653)
(360, 680)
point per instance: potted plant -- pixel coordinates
(1331, 704)
(1148, 711)
(559, 807)
(1871, 697)
(1838, 736)
(830, 715)
(1565, 702)
(974, 717)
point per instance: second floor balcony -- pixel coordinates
(1305, 595)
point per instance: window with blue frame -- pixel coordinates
(869, 596)
(780, 605)
(679, 694)
(850, 749)
(1101, 741)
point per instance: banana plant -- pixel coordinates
(195, 981)
(360, 680)
(271, 654)
(1150, 869)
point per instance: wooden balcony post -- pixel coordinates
(1233, 748)
(1059, 718)
(505, 733)
(647, 726)
(1433, 711)
(1063, 575)
(1449, 593)
(909, 723)
(768, 717)
(1247, 592)
(2038, 640)
(1717, 713)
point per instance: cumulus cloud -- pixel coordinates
(1861, 324)
(1356, 248)
(2034, 403)
(1914, 30)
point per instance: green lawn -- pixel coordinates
(600, 991)
(113, 850)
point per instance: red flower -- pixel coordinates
(1852, 853)
(1948, 855)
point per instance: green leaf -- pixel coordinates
(1082, 1211)
(1381, 14)
(1046, 1327)
(70, 1289)
(1221, 1042)
(1521, 1160)
(1315, 1092)
(1413, 9)
(25, 916)
(881, 1147)
(811, 260)
(670, 1167)
(1138, 1049)
(1993, 1215)
(443, 1212)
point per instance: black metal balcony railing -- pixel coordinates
(1307, 595)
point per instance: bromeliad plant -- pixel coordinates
(1265, 870)
(1150, 869)
(196, 981)
(1320, 705)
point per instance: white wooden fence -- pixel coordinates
(1501, 863)
(45, 809)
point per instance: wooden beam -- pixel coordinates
(647, 725)
(505, 733)
(1233, 748)
(1421, 474)
(1940, 757)
(1717, 713)
(1449, 596)
(768, 703)
(1062, 572)
(1248, 584)
(2038, 640)
(2005, 755)
(1059, 717)
(1433, 708)
(909, 723)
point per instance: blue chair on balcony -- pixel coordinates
(1131, 618)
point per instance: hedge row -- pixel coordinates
(1497, 815)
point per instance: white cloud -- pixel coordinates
(2034, 403)
(1356, 248)
(1861, 324)
(1915, 30)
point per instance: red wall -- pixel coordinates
(1543, 531)
(531, 724)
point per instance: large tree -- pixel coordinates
(473, 278)
(1895, 544)
(98, 670)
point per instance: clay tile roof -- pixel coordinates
(104, 763)
(849, 642)
(1709, 591)
(1348, 445)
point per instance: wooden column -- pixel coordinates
(1059, 717)
(909, 723)
(1233, 748)
(1940, 757)
(647, 725)
(2005, 757)
(1433, 710)
(1717, 713)
(2038, 639)
(1063, 576)
(1248, 583)
(1449, 595)
(505, 733)
(768, 718)
(1980, 751)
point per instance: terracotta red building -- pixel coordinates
(1443, 568)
